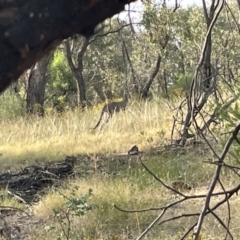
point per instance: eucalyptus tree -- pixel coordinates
(216, 69)
(159, 26)
(104, 67)
(75, 50)
(35, 86)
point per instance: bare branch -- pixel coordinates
(222, 224)
(94, 37)
(215, 179)
(159, 180)
(203, 52)
(234, 19)
(228, 208)
(130, 20)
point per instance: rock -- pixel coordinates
(133, 151)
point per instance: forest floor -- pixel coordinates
(59, 179)
(117, 179)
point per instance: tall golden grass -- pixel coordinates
(27, 139)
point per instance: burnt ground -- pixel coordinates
(30, 183)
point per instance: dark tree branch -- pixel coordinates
(215, 179)
(69, 58)
(238, 2)
(31, 29)
(205, 10)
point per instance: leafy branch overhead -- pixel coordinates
(31, 29)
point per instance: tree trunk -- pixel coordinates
(77, 70)
(165, 85)
(145, 89)
(142, 92)
(81, 90)
(36, 83)
(129, 67)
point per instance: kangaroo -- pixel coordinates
(111, 108)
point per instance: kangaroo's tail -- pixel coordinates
(99, 121)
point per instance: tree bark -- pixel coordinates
(145, 89)
(77, 70)
(207, 66)
(128, 65)
(31, 29)
(36, 83)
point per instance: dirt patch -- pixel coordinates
(16, 224)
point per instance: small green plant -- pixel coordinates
(78, 205)
(73, 206)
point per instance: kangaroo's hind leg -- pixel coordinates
(109, 115)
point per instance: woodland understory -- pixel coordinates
(179, 66)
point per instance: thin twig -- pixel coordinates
(188, 231)
(222, 224)
(151, 225)
(159, 180)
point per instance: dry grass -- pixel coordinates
(25, 141)
(133, 188)
(136, 189)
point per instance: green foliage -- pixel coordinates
(227, 115)
(62, 82)
(11, 105)
(157, 21)
(105, 54)
(62, 77)
(104, 69)
(77, 206)
(181, 85)
(73, 206)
